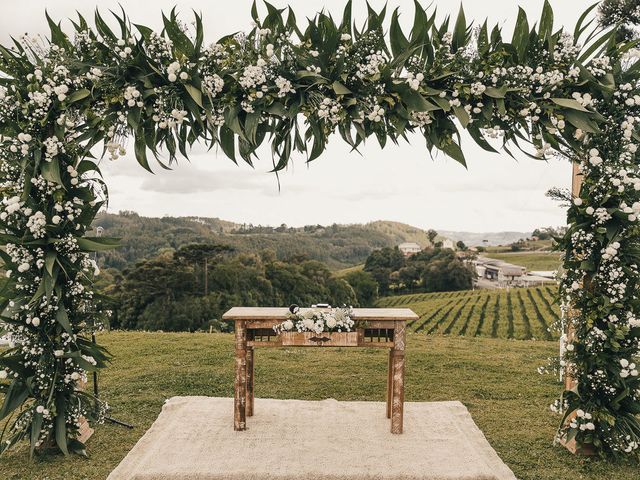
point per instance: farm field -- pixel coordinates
(530, 260)
(517, 313)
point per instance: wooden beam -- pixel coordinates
(570, 381)
(576, 185)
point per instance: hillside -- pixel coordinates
(339, 246)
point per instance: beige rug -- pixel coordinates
(193, 438)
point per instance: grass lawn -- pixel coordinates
(531, 260)
(495, 378)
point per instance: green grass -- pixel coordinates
(518, 313)
(495, 378)
(346, 271)
(530, 260)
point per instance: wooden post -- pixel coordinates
(389, 382)
(250, 382)
(569, 380)
(85, 432)
(397, 402)
(240, 384)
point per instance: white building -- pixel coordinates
(409, 248)
(448, 243)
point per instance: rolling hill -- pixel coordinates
(339, 246)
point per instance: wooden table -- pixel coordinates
(376, 328)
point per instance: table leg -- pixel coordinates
(397, 402)
(240, 383)
(249, 382)
(389, 382)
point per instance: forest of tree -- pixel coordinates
(432, 270)
(190, 289)
(182, 274)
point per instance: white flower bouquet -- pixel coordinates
(318, 321)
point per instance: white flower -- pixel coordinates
(577, 202)
(331, 322)
(35, 321)
(172, 77)
(39, 409)
(3, 374)
(624, 363)
(56, 219)
(345, 37)
(23, 267)
(58, 353)
(287, 325)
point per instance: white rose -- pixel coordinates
(331, 322)
(172, 77)
(577, 202)
(288, 325)
(3, 374)
(624, 363)
(35, 321)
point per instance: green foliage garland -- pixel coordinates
(293, 87)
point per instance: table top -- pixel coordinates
(282, 313)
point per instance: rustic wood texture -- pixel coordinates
(281, 313)
(576, 185)
(570, 381)
(250, 377)
(240, 384)
(325, 339)
(389, 383)
(85, 431)
(397, 400)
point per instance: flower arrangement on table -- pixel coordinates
(318, 321)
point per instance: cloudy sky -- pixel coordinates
(400, 183)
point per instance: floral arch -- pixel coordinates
(293, 87)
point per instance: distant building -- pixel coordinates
(494, 273)
(498, 270)
(448, 243)
(409, 248)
